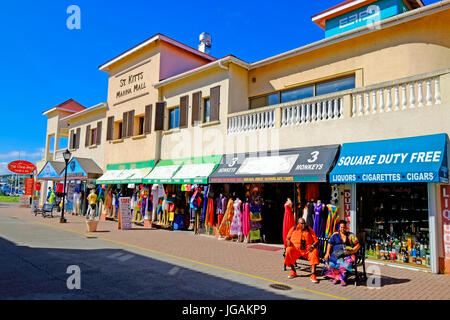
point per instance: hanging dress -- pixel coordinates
(246, 219)
(332, 220)
(209, 219)
(236, 224)
(288, 222)
(310, 217)
(224, 229)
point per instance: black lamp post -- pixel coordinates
(66, 156)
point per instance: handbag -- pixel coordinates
(339, 253)
(255, 216)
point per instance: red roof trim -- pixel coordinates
(75, 107)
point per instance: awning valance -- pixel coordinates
(310, 164)
(80, 168)
(415, 159)
(52, 171)
(181, 171)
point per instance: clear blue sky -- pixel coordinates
(44, 63)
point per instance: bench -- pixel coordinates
(46, 209)
(360, 257)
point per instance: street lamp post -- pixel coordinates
(66, 156)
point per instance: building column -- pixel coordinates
(353, 208)
(433, 232)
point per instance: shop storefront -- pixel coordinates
(390, 186)
(126, 180)
(49, 177)
(180, 194)
(266, 180)
(81, 176)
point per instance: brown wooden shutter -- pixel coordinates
(99, 133)
(77, 138)
(148, 119)
(184, 108)
(196, 107)
(71, 139)
(124, 124)
(159, 116)
(215, 103)
(110, 129)
(130, 123)
(88, 136)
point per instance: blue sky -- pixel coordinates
(44, 63)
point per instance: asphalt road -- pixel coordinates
(34, 262)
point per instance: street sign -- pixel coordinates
(21, 167)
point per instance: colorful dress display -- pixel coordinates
(246, 219)
(288, 221)
(339, 264)
(236, 224)
(224, 229)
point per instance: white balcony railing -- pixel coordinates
(420, 91)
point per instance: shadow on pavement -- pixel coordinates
(110, 274)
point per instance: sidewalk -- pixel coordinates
(262, 262)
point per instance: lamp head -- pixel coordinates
(66, 155)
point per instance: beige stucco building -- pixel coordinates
(389, 81)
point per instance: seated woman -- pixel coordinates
(340, 254)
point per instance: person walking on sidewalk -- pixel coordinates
(301, 241)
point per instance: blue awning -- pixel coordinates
(416, 159)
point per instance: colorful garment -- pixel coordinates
(224, 229)
(246, 219)
(209, 219)
(338, 265)
(236, 224)
(288, 221)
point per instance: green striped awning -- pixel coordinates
(124, 173)
(181, 171)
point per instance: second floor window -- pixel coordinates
(303, 92)
(207, 110)
(93, 136)
(174, 118)
(141, 125)
(120, 131)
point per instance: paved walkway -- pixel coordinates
(241, 259)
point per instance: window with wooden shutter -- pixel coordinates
(184, 108)
(71, 139)
(99, 132)
(215, 103)
(125, 125)
(77, 138)
(88, 136)
(110, 129)
(196, 108)
(159, 116)
(130, 123)
(148, 119)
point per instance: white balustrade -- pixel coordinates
(415, 93)
(412, 96)
(380, 91)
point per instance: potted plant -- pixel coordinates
(91, 214)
